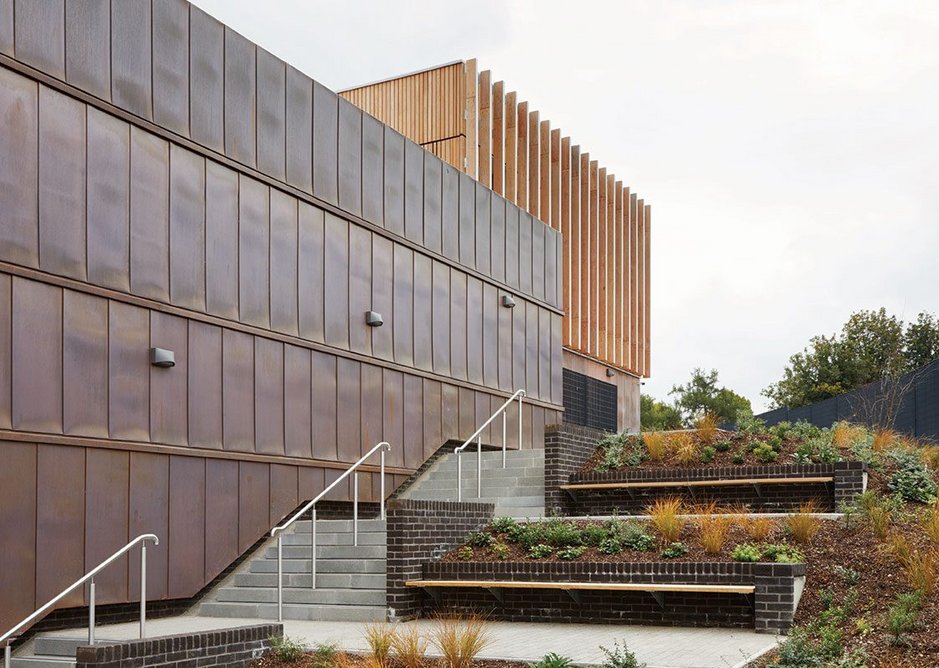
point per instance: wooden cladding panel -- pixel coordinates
(497, 112)
(534, 165)
(484, 100)
(522, 153)
(544, 167)
(510, 150)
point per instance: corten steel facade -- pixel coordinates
(165, 182)
(491, 134)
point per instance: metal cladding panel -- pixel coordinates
(131, 53)
(18, 528)
(450, 219)
(238, 395)
(6, 349)
(483, 210)
(504, 317)
(474, 330)
(394, 181)
(88, 46)
(413, 192)
(531, 348)
(423, 312)
(254, 235)
(240, 98)
(171, 65)
(450, 411)
(467, 407)
(186, 544)
(373, 170)
(6, 29)
(432, 416)
(254, 493)
(106, 523)
(129, 372)
(298, 425)
(519, 341)
(383, 296)
(490, 322)
(187, 229)
(221, 240)
(221, 505)
(19, 169)
(497, 239)
(61, 184)
(440, 318)
(284, 485)
(403, 305)
(149, 216)
(467, 221)
(432, 193)
(325, 404)
(84, 365)
(272, 123)
(393, 407)
(360, 289)
(350, 158)
(349, 397)
(337, 277)
(373, 408)
(557, 361)
(269, 396)
(206, 79)
(299, 120)
(205, 385)
(325, 143)
(40, 35)
(415, 450)
(148, 512)
(544, 355)
(524, 251)
(538, 259)
(284, 257)
(169, 408)
(60, 522)
(37, 356)
(552, 264)
(511, 245)
(108, 195)
(310, 272)
(457, 325)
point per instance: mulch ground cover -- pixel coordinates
(348, 660)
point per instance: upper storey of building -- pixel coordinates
(488, 133)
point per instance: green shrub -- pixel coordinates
(849, 575)
(503, 524)
(674, 551)
(594, 534)
(465, 553)
(500, 550)
(572, 552)
(620, 657)
(630, 535)
(527, 535)
(480, 539)
(751, 426)
(722, 445)
(765, 453)
(286, 649)
(903, 616)
(540, 551)
(707, 454)
(912, 479)
(553, 660)
(610, 546)
(738, 458)
(746, 552)
(323, 655)
(559, 533)
(781, 553)
(797, 651)
(828, 454)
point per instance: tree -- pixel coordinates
(703, 395)
(871, 346)
(657, 414)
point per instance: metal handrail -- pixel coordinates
(458, 451)
(89, 577)
(384, 446)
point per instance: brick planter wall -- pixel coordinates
(849, 480)
(236, 647)
(769, 610)
(419, 531)
(567, 448)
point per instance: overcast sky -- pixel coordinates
(789, 150)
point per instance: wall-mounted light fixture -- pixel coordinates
(162, 358)
(610, 373)
(374, 319)
(508, 301)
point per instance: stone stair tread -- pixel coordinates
(344, 613)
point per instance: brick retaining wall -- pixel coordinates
(235, 647)
(420, 531)
(769, 610)
(567, 448)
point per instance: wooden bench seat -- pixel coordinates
(698, 483)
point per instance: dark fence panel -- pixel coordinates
(911, 404)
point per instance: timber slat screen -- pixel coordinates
(492, 135)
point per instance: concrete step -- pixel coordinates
(487, 491)
(339, 526)
(330, 551)
(60, 646)
(335, 539)
(489, 471)
(350, 566)
(521, 513)
(323, 580)
(304, 595)
(42, 661)
(336, 613)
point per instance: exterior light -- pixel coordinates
(373, 319)
(162, 358)
(508, 301)
(610, 373)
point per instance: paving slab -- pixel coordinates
(659, 647)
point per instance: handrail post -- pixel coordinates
(6, 654)
(143, 590)
(91, 612)
(355, 508)
(479, 466)
(504, 412)
(520, 420)
(313, 544)
(280, 577)
(459, 476)
(382, 513)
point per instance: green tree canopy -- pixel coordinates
(657, 414)
(703, 394)
(870, 346)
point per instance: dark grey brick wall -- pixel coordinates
(235, 647)
(567, 447)
(420, 531)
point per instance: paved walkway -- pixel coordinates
(659, 647)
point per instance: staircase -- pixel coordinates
(350, 580)
(517, 490)
(49, 652)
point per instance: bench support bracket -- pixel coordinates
(497, 594)
(659, 597)
(574, 594)
(433, 592)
